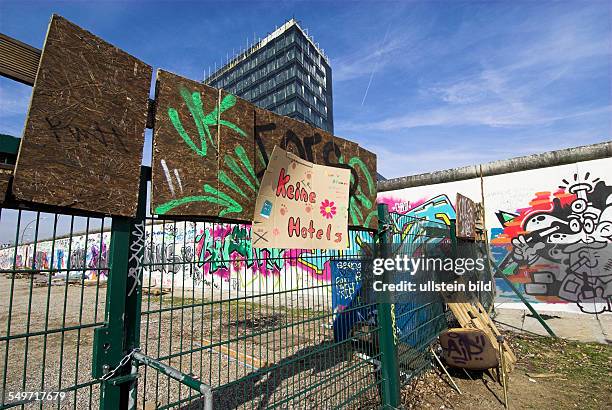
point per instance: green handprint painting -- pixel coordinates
(202, 126)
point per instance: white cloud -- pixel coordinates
(518, 84)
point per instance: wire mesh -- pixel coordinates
(266, 328)
(255, 324)
(53, 272)
(423, 317)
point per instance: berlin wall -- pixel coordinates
(189, 255)
(548, 217)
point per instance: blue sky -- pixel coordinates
(425, 85)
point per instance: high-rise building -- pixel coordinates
(286, 73)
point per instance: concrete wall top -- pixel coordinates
(544, 160)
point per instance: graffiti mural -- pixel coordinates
(187, 255)
(87, 254)
(549, 229)
(560, 246)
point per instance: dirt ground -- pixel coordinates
(296, 341)
(292, 343)
(550, 374)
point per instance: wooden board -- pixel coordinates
(225, 182)
(84, 134)
(237, 183)
(466, 217)
(365, 195)
(473, 315)
(468, 349)
(320, 147)
(184, 166)
(240, 356)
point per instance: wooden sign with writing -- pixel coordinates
(211, 150)
(185, 166)
(84, 134)
(466, 217)
(237, 181)
(322, 148)
(301, 205)
(468, 348)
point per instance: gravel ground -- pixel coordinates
(274, 353)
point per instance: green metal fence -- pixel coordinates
(184, 313)
(49, 307)
(420, 319)
(255, 326)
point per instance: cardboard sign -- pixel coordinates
(322, 148)
(468, 348)
(84, 134)
(301, 205)
(466, 217)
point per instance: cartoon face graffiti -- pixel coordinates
(567, 248)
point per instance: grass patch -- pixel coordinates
(585, 367)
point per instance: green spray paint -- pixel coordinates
(203, 122)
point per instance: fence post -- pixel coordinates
(389, 367)
(121, 332)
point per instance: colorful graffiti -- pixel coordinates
(203, 123)
(560, 246)
(85, 253)
(412, 223)
(237, 187)
(186, 255)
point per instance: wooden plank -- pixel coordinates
(84, 135)
(466, 217)
(18, 61)
(237, 182)
(470, 316)
(184, 166)
(242, 357)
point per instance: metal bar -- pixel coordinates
(390, 368)
(500, 274)
(185, 379)
(108, 348)
(133, 297)
(445, 371)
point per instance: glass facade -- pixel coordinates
(287, 75)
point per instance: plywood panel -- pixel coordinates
(366, 170)
(291, 135)
(237, 183)
(466, 217)
(185, 163)
(84, 134)
(320, 147)
(362, 210)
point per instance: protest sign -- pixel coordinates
(301, 205)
